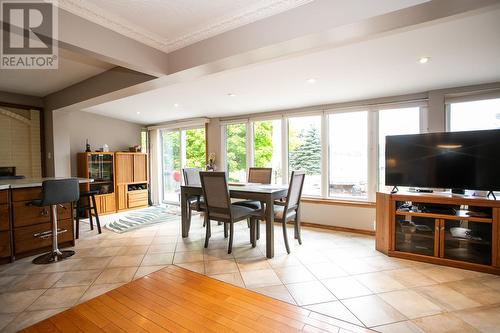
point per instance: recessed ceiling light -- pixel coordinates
(424, 60)
(138, 112)
(231, 95)
(176, 105)
(311, 80)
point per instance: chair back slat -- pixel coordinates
(216, 193)
(191, 176)
(260, 175)
(295, 189)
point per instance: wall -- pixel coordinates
(20, 141)
(71, 129)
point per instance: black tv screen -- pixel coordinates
(457, 160)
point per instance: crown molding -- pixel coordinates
(257, 11)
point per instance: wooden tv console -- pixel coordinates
(444, 229)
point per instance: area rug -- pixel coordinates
(140, 219)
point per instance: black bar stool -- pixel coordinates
(55, 193)
(89, 207)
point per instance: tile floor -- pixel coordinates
(335, 274)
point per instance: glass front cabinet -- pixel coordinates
(448, 232)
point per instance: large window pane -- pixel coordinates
(304, 151)
(171, 151)
(195, 148)
(348, 152)
(394, 122)
(267, 147)
(475, 115)
(236, 158)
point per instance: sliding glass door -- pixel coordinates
(181, 148)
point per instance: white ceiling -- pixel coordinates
(172, 24)
(72, 69)
(463, 51)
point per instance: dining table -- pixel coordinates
(267, 194)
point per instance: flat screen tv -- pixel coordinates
(457, 160)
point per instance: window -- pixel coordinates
(474, 115)
(195, 148)
(394, 122)
(267, 147)
(304, 151)
(180, 149)
(236, 152)
(348, 155)
(171, 152)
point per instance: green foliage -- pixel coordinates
(236, 147)
(195, 148)
(306, 155)
(263, 143)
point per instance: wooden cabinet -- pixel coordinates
(31, 225)
(140, 168)
(101, 168)
(126, 172)
(441, 229)
(132, 180)
(5, 228)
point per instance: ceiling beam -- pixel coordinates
(85, 37)
(282, 36)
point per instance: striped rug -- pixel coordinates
(140, 219)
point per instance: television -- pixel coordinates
(456, 160)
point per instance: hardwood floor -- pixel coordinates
(177, 300)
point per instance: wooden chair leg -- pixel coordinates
(91, 221)
(225, 230)
(231, 236)
(97, 221)
(77, 226)
(283, 223)
(204, 221)
(190, 213)
(297, 227)
(257, 227)
(252, 231)
(248, 222)
(208, 232)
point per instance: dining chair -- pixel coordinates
(197, 203)
(219, 208)
(289, 210)
(259, 176)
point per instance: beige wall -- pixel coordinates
(71, 129)
(20, 141)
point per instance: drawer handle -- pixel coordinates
(48, 233)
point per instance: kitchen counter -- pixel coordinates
(31, 182)
(22, 225)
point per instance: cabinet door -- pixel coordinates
(419, 235)
(109, 203)
(121, 195)
(124, 168)
(466, 240)
(140, 168)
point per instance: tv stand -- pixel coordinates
(492, 194)
(458, 231)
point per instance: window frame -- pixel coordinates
(182, 152)
(372, 144)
